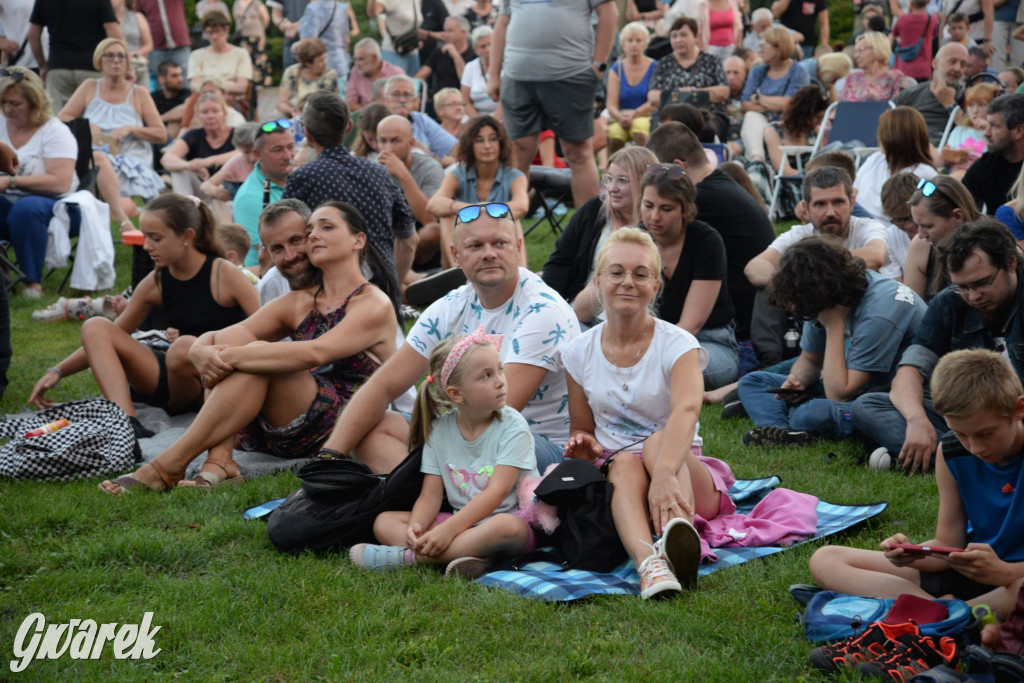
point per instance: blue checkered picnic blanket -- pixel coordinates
(546, 581)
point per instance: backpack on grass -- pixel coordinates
(585, 537)
(832, 615)
(338, 502)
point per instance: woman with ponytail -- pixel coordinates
(284, 398)
(197, 289)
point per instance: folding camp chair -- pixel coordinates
(721, 150)
(854, 122)
(553, 189)
(949, 127)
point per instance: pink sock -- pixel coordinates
(409, 557)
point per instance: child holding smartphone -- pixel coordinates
(980, 475)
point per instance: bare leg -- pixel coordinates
(118, 362)
(629, 506)
(182, 377)
(718, 395)
(863, 572)
(386, 445)
(585, 181)
(694, 479)
(503, 534)
(109, 187)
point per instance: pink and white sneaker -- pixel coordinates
(656, 579)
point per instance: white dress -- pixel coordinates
(134, 163)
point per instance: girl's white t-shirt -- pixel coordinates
(630, 403)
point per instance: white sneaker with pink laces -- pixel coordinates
(656, 578)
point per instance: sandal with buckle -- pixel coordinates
(207, 481)
(128, 483)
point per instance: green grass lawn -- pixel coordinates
(231, 608)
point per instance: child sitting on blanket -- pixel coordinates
(979, 470)
(477, 453)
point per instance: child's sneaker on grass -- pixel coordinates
(912, 654)
(656, 579)
(380, 558)
(469, 567)
(776, 436)
(680, 545)
(878, 640)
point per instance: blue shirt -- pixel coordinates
(992, 496)
(878, 329)
(428, 131)
(250, 200)
(758, 81)
(501, 190)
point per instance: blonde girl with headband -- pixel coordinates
(198, 291)
(476, 451)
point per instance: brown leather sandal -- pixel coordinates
(208, 481)
(128, 483)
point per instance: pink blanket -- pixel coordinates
(781, 518)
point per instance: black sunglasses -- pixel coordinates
(15, 76)
(673, 171)
(274, 126)
(468, 214)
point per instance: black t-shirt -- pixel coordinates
(702, 258)
(444, 74)
(434, 13)
(76, 27)
(746, 232)
(199, 148)
(164, 104)
(802, 16)
(990, 180)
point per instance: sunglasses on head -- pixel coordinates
(15, 76)
(673, 171)
(928, 188)
(468, 214)
(274, 126)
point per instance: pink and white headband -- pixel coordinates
(460, 348)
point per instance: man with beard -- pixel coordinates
(282, 227)
(991, 177)
(274, 153)
(936, 98)
(857, 325)
(829, 194)
(980, 310)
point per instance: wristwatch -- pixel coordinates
(601, 66)
(14, 182)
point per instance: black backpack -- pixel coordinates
(338, 502)
(586, 536)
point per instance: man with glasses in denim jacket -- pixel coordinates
(506, 299)
(981, 309)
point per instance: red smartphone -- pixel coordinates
(927, 549)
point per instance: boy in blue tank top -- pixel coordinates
(980, 476)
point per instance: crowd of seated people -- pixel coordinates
(403, 171)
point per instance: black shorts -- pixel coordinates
(162, 395)
(952, 582)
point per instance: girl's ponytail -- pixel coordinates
(181, 213)
(431, 401)
(206, 240)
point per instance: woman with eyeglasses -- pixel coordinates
(570, 267)
(451, 110)
(939, 207)
(485, 172)
(221, 60)
(694, 269)
(873, 80)
(770, 86)
(124, 121)
(312, 74)
(200, 152)
(635, 393)
(284, 399)
(46, 152)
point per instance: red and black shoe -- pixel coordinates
(912, 655)
(878, 641)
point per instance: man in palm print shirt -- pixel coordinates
(505, 299)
